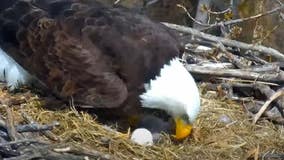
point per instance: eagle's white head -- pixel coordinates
(175, 92)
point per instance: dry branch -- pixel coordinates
(269, 67)
(47, 133)
(79, 150)
(35, 127)
(237, 73)
(267, 103)
(253, 106)
(10, 124)
(234, 80)
(272, 156)
(233, 58)
(235, 21)
(215, 66)
(253, 57)
(228, 42)
(268, 92)
(231, 22)
(49, 153)
(23, 141)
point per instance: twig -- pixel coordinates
(228, 42)
(253, 57)
(267, 35)
(2, 123)
(200, 15)
(235, 21)
(193, 19)
(233, 58)
(79, 150)
(231, 22)
(42, 150)
(24, 157)
(237, 73)
(219, 12)
(62, 150)
(269, 67)
(30, 127)
(10, 124)
(272, 156)
(35, 127)
(279, 2)
(247, 81)
(21, 141)
(268, 92)
(266, 104)
(47, 133)
(215, 66)
(7, 150)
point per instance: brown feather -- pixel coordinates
(100, 56)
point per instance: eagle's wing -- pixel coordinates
(99, 56)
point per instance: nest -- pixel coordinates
(223, 130)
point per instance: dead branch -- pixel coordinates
(228, 42)
(234, 80)
(10, 124)
(57, 152)
(230, 22)
(201, 16)
(219, 12)
(279, 93)
(233, 58)
(215, 66)
(268, 68)
(79, 150)
(271, 156)
(268, 92)
(193, 19)
(254, 106)
(237, 73)
(30, 127)
(47, 133)
(235, 21)
(23, 141)
(253, 57)
(35, 127)
(7, 150)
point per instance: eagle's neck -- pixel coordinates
(11, 72)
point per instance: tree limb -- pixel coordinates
(228, 42)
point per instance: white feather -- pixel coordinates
(11, 72)
(174, 91)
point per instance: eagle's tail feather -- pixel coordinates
(12, 73)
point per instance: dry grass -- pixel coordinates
(222, 131)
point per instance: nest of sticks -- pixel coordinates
(223, 130)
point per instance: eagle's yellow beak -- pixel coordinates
(183, 129)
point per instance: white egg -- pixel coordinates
(142, 136)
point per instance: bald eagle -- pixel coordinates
(108, 58)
